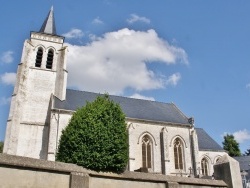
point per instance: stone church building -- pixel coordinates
(161, 138)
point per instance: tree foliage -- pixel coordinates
(231, 145)
(1, 146)
(247, 153)
(96, 137)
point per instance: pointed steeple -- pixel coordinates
(49, 25)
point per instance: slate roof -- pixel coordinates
(139, 109)
(133, 108)
(205, 142)
(49, 25)
(244, 162)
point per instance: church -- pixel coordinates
(161, 138)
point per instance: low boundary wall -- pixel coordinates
(23, 172)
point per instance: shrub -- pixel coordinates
(96, 137)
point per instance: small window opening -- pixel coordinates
(50, 59)
(39, 57)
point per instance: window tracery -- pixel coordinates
(147, 152)
(178, 154)
(204, 166)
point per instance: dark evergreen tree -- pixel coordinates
(247, 153)
(96, 137)
(231, 145)
(1, 146)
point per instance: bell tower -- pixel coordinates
(41, 74)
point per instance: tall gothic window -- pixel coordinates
(39, 57)
(204, 167)
(147, 152)
(178, 154)
(50, 59)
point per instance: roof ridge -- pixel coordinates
(133, 108)
(180, 111)
(170, 103)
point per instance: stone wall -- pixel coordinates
(169, 132)
(163, 156)
(228, 169)
(212, 157)
(27, 172)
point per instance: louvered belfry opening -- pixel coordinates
(39, 57)
(50, 59)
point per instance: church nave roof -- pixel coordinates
(133, 108)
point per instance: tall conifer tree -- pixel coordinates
(1, 146)
(231, 145)
(247, 153)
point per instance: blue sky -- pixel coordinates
(192, 53)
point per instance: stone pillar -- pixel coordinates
(53, 136)
(163, 171)
(228, 170)
(164, 149)
(194, 151)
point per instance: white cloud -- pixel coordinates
(248, 86)
(118, 61)
(135, 18)
(93, 37)
(138, 96)
(7, 57)
(97, 21)
(174, 79)
(8, 78)
(241, 135)
(4, 101)
(74, 33)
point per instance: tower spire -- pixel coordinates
(49, 25)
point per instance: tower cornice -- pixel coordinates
(46, 37)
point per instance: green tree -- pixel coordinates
(96, 137)
(1, 146)
(247, 153)
(231, 145)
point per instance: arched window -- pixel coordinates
(39, 57)
(178, 154)
(147, 152)
(50, 59)
(204, 167)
